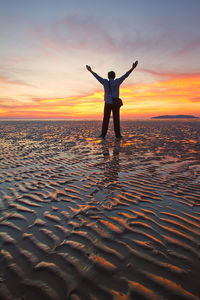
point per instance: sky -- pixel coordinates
(46, 44)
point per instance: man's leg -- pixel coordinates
(106, 118)
(116, 120)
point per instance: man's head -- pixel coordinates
(111, 75)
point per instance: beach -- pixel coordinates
(84, 218)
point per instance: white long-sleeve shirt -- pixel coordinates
(114, 83)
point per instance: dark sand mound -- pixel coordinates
(86, 219)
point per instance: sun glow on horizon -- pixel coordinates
(175, 95)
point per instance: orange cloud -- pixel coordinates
(195, 99)
(177, 94)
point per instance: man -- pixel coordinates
(111, 90)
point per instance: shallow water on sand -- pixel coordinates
(82, 218)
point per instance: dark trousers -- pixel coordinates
(116, 119)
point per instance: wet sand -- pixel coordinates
(82, 218)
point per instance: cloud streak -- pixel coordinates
(80, 33)
(4, 80)
(190, 46)
(172, 75)
(195, 99)
(74, 32)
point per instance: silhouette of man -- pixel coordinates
(111, 90)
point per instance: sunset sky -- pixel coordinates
(45, 45)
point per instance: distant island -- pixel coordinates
(175, 117)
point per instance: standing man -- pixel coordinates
(111, 90)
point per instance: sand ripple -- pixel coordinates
(83, 219)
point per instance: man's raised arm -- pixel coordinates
(133, 67)
(121, 79)
(100, 79)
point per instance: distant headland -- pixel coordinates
(175, 117)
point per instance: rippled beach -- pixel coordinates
(82, 218)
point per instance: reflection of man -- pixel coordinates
(111, 90)
(112, 165)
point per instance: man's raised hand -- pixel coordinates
(135, 64)
(88, 68)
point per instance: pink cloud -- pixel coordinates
(189, 47)
(171, 75)
(5, 80)
(74, 32)
(6, 102)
